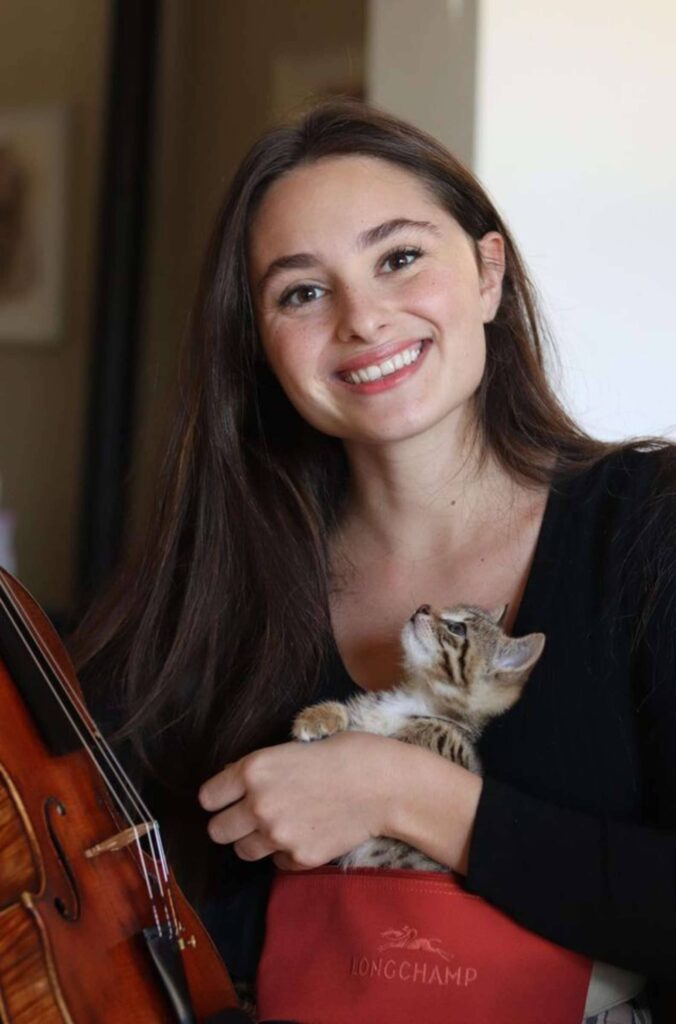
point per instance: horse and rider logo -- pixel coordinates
(415, 966)
(407, 938)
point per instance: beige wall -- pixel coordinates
(53, 53)
(229, 70)
(421, 65)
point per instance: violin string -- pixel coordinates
(167, 902)
(82, 738)
(91, 730)
(80, 708)
(157, 853)
(174, 917)
(163, 859)
(104, 748)
(140, 858)
(171, 913)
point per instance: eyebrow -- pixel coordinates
(367, 238)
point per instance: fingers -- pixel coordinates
(307, 802)
(285, 862)
(232, 824)
(222, 789)
(253, 847)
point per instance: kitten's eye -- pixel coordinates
(456, 628)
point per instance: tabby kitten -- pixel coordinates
(460, 671)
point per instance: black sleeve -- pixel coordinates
(605, 888)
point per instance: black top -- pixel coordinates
(575, 834)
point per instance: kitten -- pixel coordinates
(460, 671)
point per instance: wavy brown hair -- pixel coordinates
(216, 632)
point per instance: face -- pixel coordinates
(370, 300)
(463, 654)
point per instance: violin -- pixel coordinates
(93, 927)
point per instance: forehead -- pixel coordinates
(336, 198)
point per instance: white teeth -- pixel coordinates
(376, 371)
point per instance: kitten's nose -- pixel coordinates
(424, 609)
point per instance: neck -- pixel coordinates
(411, 497)
(457, 718)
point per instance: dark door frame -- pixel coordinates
(125, 177)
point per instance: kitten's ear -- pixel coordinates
(498, 614)
(519, 654)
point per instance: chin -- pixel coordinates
(391, 429)
(419, 650)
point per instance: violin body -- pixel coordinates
(75, 915)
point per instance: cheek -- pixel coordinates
(293, 348)
(453, 307)
(293, 355)
(447, 298)
(278, 356)
(284, 355)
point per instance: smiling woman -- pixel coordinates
(366, 427)
(348, 312)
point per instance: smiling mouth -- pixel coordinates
(376, 371)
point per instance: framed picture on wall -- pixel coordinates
(32, 223)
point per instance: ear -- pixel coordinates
(498, 613)
(519, 655)
(491, 272)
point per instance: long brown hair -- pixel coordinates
(217, 631)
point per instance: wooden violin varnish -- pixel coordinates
(93, 928)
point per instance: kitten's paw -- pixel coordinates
(321, 720)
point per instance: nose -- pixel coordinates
(424, 609)
(362, 315)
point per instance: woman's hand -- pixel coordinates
(308, 803)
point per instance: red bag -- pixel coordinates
(372, 946)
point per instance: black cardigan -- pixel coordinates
(575, 831)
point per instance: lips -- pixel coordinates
(378, 355)
(384, 368)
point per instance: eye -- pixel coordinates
(456, 628)
(398, 259)
(300, 295)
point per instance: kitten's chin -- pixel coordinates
(418, 644)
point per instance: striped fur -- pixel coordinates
(460, 670)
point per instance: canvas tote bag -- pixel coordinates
(370, 946)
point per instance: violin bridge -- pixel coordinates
(120, 840)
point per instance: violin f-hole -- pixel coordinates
(54, 806)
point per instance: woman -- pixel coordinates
(366, 426)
